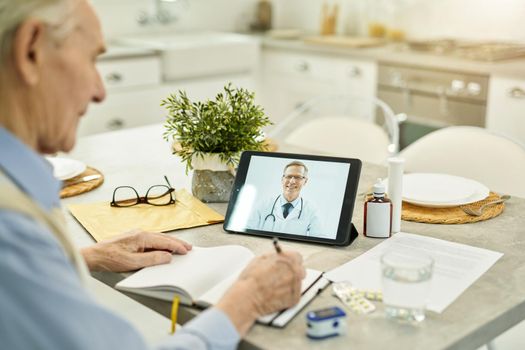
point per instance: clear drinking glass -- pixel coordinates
(406, 278)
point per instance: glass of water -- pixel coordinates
(406, 279)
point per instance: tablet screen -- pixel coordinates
(291, 195)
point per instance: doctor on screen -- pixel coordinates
(288, 212)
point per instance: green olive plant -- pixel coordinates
(227, 125)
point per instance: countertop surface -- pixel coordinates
(397, 53)
(390, 53)
(118, 51)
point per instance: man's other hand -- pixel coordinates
(133, 251)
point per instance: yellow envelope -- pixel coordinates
(103, 221)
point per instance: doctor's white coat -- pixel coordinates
(269, 217)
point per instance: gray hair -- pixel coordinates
(296, 163)
(55, 13)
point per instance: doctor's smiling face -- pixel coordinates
(294, 178)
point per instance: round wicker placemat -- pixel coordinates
(82, 187)
(453, 215)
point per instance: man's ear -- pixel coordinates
(28, 46)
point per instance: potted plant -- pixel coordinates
(210, 135)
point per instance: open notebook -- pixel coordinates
(202, 276)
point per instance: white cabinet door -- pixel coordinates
(132, 97)
(506, 107)
(124, 109)
(358, 77)
(141, 106)
(289, 79)
(135, 91)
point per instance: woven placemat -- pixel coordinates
(75, 189)
(454, 215)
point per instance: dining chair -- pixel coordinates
(342, 125)
(472, 152)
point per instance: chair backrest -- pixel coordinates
(476, 153)
(342, 125)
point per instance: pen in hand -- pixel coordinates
(276, 245)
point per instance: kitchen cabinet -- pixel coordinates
(288, 79)
(132, 99)
(506, 107)
(135, 89)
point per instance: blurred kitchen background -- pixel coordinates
(467, 19)
(442, 62)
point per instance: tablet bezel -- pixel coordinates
(346, 232)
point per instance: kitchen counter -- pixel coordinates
(119, 51)
(396, 54)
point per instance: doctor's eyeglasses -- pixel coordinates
(158, 195)
(295, 177)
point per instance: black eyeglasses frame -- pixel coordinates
(144, 200)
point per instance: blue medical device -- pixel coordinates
(325, 323)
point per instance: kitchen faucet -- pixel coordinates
(161, 14)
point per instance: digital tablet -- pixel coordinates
(294, 196)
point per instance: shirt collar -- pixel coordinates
(28, 170)
(283, 201)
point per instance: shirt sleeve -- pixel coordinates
(44, 305)
(210, 330)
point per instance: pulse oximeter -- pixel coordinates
(325, 323)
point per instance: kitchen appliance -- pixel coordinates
(432, 98)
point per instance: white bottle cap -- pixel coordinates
(379, 188)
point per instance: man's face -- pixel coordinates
(293, 181)
(69, 81)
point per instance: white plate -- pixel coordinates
(65, 168)
(437, 188)
(441, 190)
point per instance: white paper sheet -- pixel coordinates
(456, 266)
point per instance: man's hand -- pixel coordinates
(270, 283)
(133, 251)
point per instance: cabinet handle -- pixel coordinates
(517, 92)
(114, 77)
(115, 124)
(302, 66)
(354, 72)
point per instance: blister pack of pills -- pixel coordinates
(356, 300)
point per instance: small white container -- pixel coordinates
(378, 214)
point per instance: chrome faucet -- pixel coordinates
(161, 15)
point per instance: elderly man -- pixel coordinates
(47, 79)
(288, 212)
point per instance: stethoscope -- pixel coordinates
(273, 208)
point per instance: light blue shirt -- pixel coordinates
(42, 302)
(302, 219)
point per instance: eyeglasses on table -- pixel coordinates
(158, 195)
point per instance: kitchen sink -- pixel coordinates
(199, 54)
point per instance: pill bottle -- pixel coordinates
(378, 214)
